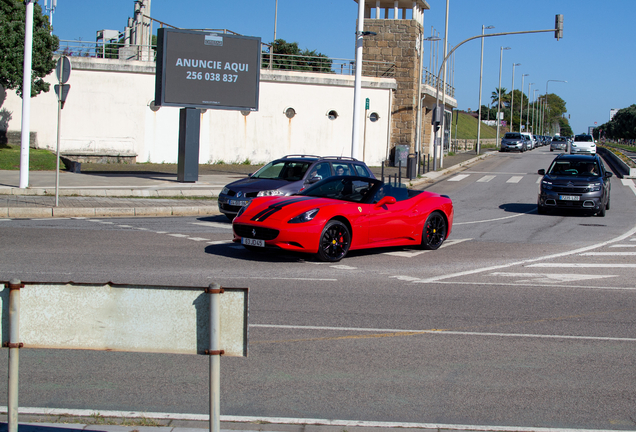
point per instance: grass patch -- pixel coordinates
(467, 128)
(39, 159)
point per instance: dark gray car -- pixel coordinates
(287, 176)
(513, 141)
(575, 182)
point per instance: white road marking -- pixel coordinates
(608, 254)
(458, 177)
(539, 180)
(622, 237)
(442, 332)
(551, 277)
(406, 254)
(493, 220)
(581, 265)
(276, 278)
(214, 224)
(623, 245)
(198, 239)
(344, 424)
(124, 226)
(630, 184)
(514, 179)
(178, 235)
(343, 267)
(486, 179)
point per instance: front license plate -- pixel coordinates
(252, 242)
(569, 198)
(239, 203)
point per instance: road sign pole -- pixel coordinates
(215, 357)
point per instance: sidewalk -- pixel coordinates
(140, 193)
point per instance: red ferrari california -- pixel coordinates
(345, 213)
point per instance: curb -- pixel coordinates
(65, 212)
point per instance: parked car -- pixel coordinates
(531, 142)
(513, 141)
(286, 176)
(583, 144)
(559, 143)
(343, 213)
(576, 182)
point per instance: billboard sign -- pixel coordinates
(208, 70)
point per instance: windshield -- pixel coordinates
(283, 170)
(585, 138)
(575, 168)
(512, 136)
(344, 188)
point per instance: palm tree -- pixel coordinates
(505, 97)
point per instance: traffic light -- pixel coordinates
(558, 26)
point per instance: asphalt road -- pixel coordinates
(519, 320)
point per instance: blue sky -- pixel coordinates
(594, 56)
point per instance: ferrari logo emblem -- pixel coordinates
(360, 209)
(253, 233)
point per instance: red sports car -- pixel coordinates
(345, 213)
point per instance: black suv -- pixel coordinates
(577, 182)
(287, 176)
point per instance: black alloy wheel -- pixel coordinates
(335, 241)
(434, 232)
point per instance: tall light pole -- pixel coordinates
(521, 103)
(357, 88)
(528, 113)
(26, 96)
(481, 73)
(512, 93)
(275, 19)
(534, 107)
(441, 156)
(499, 93)
(546, 91)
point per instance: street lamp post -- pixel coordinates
(534, 107)
(481, 72)
(512, 92)
(521, 103)
(528, 113)
(499, 93)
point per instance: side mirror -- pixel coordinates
(314, 179)
(386, 200)
(608, 174)
(541, 172)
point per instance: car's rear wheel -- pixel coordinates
(335, 241)
(434, 231)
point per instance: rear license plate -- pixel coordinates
(569, 198)
(252, 242)
(239, 203)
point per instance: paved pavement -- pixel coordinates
(141, 193)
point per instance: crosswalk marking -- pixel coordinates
(581, 265)
(514, 179)
(608, 254)
(486, 179)
(551, 277)
(458, 177)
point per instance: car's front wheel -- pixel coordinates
(335, 241)
(434, 232)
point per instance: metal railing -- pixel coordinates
(431, 79)
(116, 50)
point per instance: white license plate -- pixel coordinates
(569, 198)
(252, 242)
(239, 203)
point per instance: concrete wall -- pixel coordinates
(108, 110)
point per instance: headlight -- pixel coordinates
(225, 191)
(546, 185)
(595, 187)
(305, 217)
(274, 192)
(242, 209)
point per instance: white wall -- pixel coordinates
(108, 111)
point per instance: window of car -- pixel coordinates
(584, 138)
(344, 189)
(581, 168)
(284, 170)
(342, 169)
(510, 135)
(322, 170)
(362, 171)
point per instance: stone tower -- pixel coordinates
(399, 29)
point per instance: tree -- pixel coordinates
(12, 23)
(505, 97)
(622, 125)
(288, 56)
